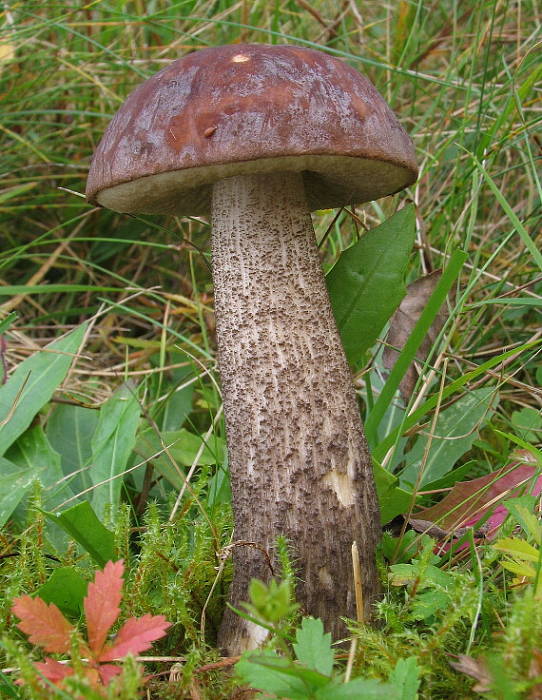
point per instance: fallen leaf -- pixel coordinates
(469, 501)
(402, 323)
(44, 624)
(475, 668)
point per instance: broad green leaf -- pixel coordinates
(366, 284)
(33, 383)
(520, 569)
(518, 548)
(528, 424)
(33, 451)
(179, 403)
(425, 605)
(455, 431)
(112, 443)
(219, 489)
(81, 523)
(392, 499)
(183, 446)
(405, 678)
(14, 483)
(358, 689)
(313, 647)
(312, 679)
(270, 680)
(70, 429)
(423, 575)
(66, 588)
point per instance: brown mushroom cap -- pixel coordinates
(243, 109)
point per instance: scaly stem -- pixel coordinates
(298, 459)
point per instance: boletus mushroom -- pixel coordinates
(259, 136)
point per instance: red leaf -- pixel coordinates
(136, 635)
(469, 501)
(53, 670)
(108, 672)
(44, 624)
(102, 604)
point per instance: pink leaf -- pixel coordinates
(108, 672)
(102, 604)
(53, 670)
(44, 624)
(469, 501)
(136, 635)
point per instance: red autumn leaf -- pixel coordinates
(53, 670)
(47, 627)
(44, 624)
(102, 604)
(469, 501)
(136, 635)
(108, 672)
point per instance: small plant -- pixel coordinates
(47, 627)
(309, 671)
(523, 558)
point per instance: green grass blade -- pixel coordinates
(412, 345)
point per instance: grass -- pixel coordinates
(464, 79)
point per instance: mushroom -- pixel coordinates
(258, 136)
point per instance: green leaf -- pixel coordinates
(412, 345)
(6, 322)
(66, 588)
(358, 689)
(313, 647)
(179, 403)
(520, 569)
(312, 679)
(14, 483)
(219, 489)
(33, 383)
(33, 451)
(425, 605)
(183, 446)
(528, 424)
(81, 523)
(518, 548)
(405, 677)
(112, 443)
(455, 431)
(70, 429)
(522, 509)
(366, 284)
(270, 679)
(413, 418)
(392, 499)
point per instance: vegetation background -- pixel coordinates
(464, 79)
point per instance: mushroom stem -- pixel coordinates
(298, 459)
